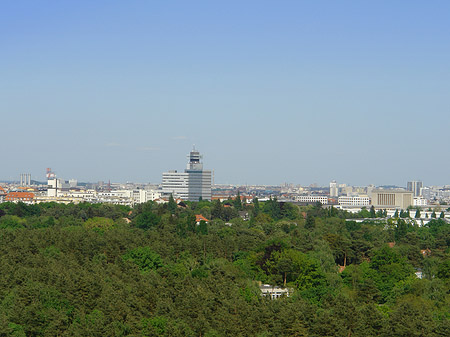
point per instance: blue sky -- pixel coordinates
(269, 91)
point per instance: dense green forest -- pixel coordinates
(152, 270)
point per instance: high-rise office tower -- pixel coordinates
(415, 186)
(194, 183)
(334, 190)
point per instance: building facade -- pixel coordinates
(25, 197)
(420, 201)
(274, 292)
(354, 200)
(392, 198)
(334, 190)
(323, 199)
(415, 187)
(193, 184)
(25, 179)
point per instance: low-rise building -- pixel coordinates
(420, 201)
(62, 199)
(392, 198)
(2, 194)
(274, 292)
(199, 217)
(354, 200)
(323, 199)
(26, 197)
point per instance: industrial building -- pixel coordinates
(25, 179)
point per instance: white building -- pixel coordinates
(73, 183)
(54, 187)
(176, 183)
(354, 200)
(194, 183)
(420, 201)
(273, 292)
(334, 190)
(141, 196)
(323, 199)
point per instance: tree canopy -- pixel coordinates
(153, 270)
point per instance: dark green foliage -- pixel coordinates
(404, 214)
(156, 326)
(310, 222)
(146, 220)
(444, 269)
(237, 202)
(82, 270)
(256, 208)
(172, 205)
(272, 208)
(417, 215)
(401, 229)
(191, 223)
(217, 210)
(202, 227)
(372, 212)
(144, 258)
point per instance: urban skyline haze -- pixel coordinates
(270, 92)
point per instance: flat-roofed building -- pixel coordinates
(323, 199)
(392, 198)
(274, 292)
(192, 184)
(354, 200)
(415, 187)
(420, 201)
(334, 190)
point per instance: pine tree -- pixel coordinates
(372, 212)
(417, 216)
(256, 209)
(172, 206)
(237, 202)
(310, 222)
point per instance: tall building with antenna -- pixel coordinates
(192, 184)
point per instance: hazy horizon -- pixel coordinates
(269, 92)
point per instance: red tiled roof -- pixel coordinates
(199, 217)
(12, 196)
(426, 252)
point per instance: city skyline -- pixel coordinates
(270, 93)
(30, 179)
